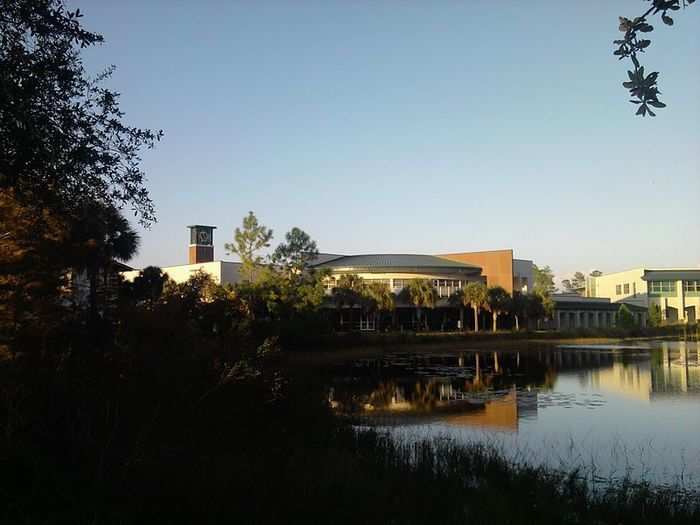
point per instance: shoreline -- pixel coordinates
(459, 343)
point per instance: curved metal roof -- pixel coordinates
(386, 261)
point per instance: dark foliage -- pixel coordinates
(62, 138)
(643, 87)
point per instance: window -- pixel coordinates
(627, 288)
(400, 284)
(662, 286)
(380, 281)
(618, 289)
(691, 286)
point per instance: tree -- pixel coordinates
(148, 285)
(535, 307)
(379, 299)
(348, 292)
(519, 307)
(299, 286)
(295, 255)
(643, 88)
(63, 142)
(459, 299)
(32, 265)
(655, 318)
(99, 235)
(544, 281)
(475, 295)
(421, 293)
(625, 318)
(247, 242)
(498, 301)
(576, 284)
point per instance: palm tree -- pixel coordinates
(379, 299)
(148, 285)
(519, 308)
(348, 292)
(101, 235)
(475, 295)
(422, 294)
(498, 301)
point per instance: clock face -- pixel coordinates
(203, 237)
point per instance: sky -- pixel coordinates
(411, 127)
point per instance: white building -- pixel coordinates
(675, 291)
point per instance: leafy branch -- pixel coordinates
(644, 88)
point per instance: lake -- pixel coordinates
(611, 410)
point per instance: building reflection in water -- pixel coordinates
(496, 390)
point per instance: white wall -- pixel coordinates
(606, 286)
(222, 272)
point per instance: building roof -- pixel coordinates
(373, 262)
(671, 275)
(569, 301)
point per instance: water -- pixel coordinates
(612, 411)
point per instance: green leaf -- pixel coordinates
(667, 20)
(642, 110)
(656, 104)
(644, 43)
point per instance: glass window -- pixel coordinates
(618, 289)
(662, 286)
(627, 288)
(691, 286)
(400, 284)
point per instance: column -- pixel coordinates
(558, 320)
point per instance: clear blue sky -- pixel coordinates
(412, 126)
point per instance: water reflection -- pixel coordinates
(624, 408)
(496, 389)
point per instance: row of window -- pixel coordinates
(445, 286)
(662, 286)
(625, 288)
(670, 286)
(691, 286)
(658, 287)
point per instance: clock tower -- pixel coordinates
(201, 243)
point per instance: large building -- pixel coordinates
(675, 291)
(396, 270)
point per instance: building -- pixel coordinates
(675, 291)
(448, 273)
(396, 270)
(499, 268)
(201, 259)
(572, 312)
